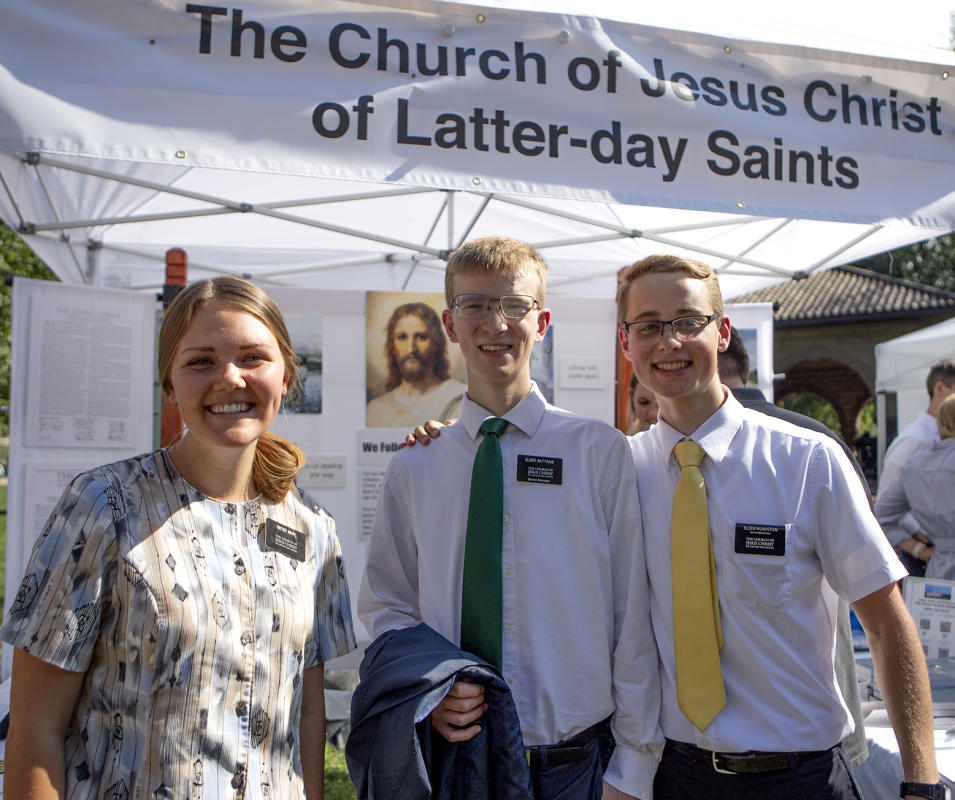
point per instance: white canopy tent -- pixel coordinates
(901, 366)
(308, 144)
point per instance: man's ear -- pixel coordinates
(624, 343)
(543, 323)
(448, 319)
(724, 335)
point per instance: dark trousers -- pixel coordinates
(826, 775)
(572, 770)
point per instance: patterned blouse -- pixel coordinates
(193, 621)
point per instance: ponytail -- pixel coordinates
(277, 461)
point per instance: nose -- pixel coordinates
(668, 339)
(494, 319)
(230, 377)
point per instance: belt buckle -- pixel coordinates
(716, 767)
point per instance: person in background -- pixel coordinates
(918, 435)
(733, 369)
(172, 627)
(767, 523)
(642, 409)
(926, 489)
(570, 629)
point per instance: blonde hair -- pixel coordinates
(277, 460)
(668, 263)
(946, 417)
(497, 254)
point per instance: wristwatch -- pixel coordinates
(933, 791)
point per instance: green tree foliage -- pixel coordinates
(15, 259)
(866, 423)
(931, 262)
(812, 405)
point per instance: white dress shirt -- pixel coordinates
(778, 612)
(927, 491)
(918, 435)
(577, 639)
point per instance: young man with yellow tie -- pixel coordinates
(765, 518)
(537, 568)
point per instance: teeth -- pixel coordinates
(495, 348)
(230, 408)
(671, 366)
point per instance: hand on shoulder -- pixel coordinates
(426, 432)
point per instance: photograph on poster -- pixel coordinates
(542, 365)
(413, 372)
(305, 331)
(929, 601)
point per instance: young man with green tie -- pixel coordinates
(558, 598)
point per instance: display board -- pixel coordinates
(81, 394)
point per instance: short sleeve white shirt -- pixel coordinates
(918, 435)
(926, 491)
(778, 612)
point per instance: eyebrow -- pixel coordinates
(210, 349)
(681, 312)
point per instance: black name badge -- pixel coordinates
(540, 469)
(285, 540)
(760, 540)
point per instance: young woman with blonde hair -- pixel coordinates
(172, 626)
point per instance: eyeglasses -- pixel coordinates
(513, 306)
(684, 328)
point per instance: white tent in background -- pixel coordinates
(352, 144)
(901, 365)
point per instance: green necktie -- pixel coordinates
(481, 602)
(697, 636)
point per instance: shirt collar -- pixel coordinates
(526, 415)
(714, 435)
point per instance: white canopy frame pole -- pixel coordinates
(821, 263)
(446, 210)
(757, 242)
(733, 263)
(194, 264)
(225, 206)
(64, 236)
(635, 233)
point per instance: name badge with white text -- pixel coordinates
(285, 540)
(760, 540)
(540, 469)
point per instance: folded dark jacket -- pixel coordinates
(392, 751)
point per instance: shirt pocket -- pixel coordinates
(761, 579)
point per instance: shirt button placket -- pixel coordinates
(245, 605)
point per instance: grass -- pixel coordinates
(338, 785)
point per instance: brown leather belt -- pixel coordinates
(748, 763)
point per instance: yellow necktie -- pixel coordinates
(697, 636)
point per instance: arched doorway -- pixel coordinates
(835, 382)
